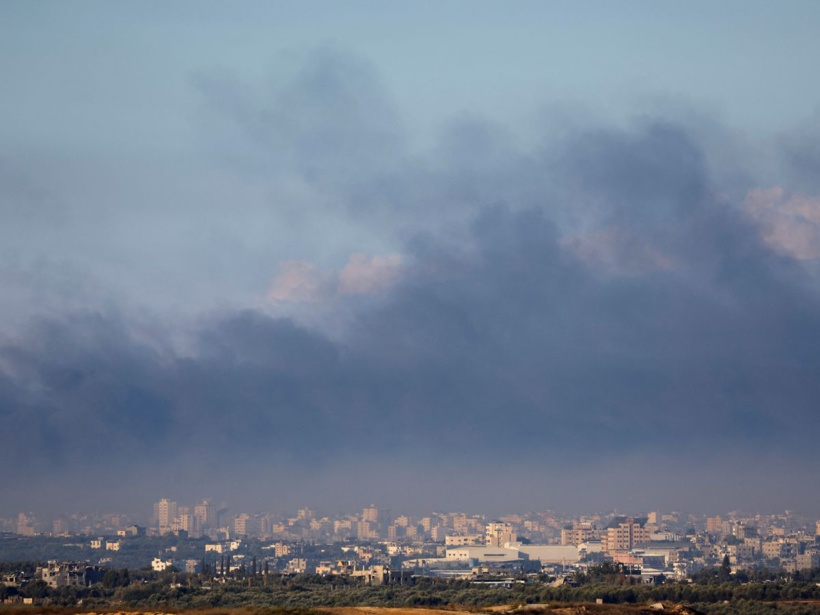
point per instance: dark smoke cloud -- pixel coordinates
(600, 299)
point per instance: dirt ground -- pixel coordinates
(531, 609)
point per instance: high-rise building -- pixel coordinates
(26, 524)
(714, 525)
(205, 515)
(578, 533)
(370, 513)
(165, 512)
(498, 533)
(306, 513)
(248, 525)
(624, 535)
(367, 530)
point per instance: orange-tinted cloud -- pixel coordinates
(789, 223)
(304, 281)
(299, 280)
(369, 275)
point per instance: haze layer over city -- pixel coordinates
(496, 257)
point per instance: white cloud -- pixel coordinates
(304, 281)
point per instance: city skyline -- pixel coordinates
(543, 256)
(196, 536)
(166, 516)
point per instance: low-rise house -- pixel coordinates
(160, 565)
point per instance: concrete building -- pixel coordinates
(26, 524)
(740, 553)
(160, 565)
(298, 565)
(367, 530)
(394, 532)
(438, 533)
(808, 560)
(550, 554)
(782, 548)
(464, 540)
(578, 533)
(205, 515)
(545, 554)
(247, 525)
(165, 512)
(379, 575)
(67, 574)
(483, 554)
(499, 533)
(370, 513)
(623, 535)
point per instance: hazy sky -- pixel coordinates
(482, 255)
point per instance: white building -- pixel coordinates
(483, 554)
(551, 554)
(546, 554)
(160, 565)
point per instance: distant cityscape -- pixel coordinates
(376, 543)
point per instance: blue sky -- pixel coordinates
(108, 64)
(462, 238)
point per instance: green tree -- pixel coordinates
(725, 572)
(36, 589)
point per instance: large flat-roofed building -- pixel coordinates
(546, 554)
(551, 554)
(464, 540)
(484, 554)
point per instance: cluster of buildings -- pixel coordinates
(371, 524)
(378, 546)
(55, 574)
(63, 574)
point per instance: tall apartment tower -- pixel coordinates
(205, 515)
(370, 513)
(165, 512)
(624, 536)
(26, 524)
(580, 532)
